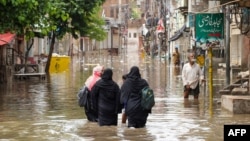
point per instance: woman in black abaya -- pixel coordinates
(106, 99)
(131, 98)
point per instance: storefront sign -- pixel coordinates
(209, 29)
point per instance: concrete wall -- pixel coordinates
(245, 53)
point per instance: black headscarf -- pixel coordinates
(134, 73)
(133, 84)
(107, 74)
(106, 80)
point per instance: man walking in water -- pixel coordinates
(191, 75)
(176, 57)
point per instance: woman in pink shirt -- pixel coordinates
(90, 82)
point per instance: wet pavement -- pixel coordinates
(47, 110)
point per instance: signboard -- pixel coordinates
(209, 29)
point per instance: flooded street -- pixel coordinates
(41, 110)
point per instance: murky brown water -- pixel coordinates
(47, 109)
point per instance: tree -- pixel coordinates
(81, 19)
(53, 18)
(22, 17)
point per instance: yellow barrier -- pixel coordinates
(59, 64)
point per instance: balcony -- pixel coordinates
(242, 3)
(183, 7)
(183, 10)
(225, 1)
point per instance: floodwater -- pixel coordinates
(47, 110)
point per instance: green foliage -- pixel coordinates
(95, 23)
(134, 11)
(77, 17)
(135, 14)
(83, 20)
(19, 15)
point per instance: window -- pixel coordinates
(117, 12)
(134, 35)
(111, 12)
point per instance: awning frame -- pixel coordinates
(178, 34)
(6, 38)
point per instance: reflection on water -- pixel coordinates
(47, 109)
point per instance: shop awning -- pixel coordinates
(177, 34)
(6, 38)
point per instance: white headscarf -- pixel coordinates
(96, 75)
